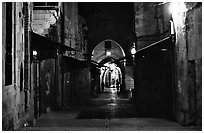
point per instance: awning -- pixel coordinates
(92, 63)
(46, 48)
(40, 42)
(165, 44)
(70, 63)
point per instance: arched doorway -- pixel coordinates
(111, 77)
(100, 51)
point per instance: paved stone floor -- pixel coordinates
(108, 112)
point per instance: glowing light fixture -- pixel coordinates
(133, 50)
(108, 53)
(177, 7)
(172, 7)
(177, 10)
(172, 27)
(108, 48)
(35, 53)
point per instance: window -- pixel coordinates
(8, 60)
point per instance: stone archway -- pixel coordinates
(100, 56)
(99, 51)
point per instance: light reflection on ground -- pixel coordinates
(112, 104)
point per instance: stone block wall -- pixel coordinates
(73, 30)
(192, 60)
(151, 22)
(187, 19)
(17, 98)
(70, 25)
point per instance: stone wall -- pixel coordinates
(17, 98)
(188, 62)
(187, 55)
(151, 22)
(70, 25)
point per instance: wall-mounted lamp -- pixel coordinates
(177, 7)
(35, 53)
(172, 27)
(133, 50)
(35, 56)
(171, 8)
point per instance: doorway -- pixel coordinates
(105, 53)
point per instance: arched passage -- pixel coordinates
(99, 52)
(111, 73)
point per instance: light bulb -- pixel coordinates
(108, 53)
(35, 53)
(133, 50)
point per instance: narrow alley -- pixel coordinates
(102, 66)
(108, 112)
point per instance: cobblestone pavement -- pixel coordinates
(109, 111)
(109, 105)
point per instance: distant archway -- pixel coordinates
(98, 54)
(111, 74)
